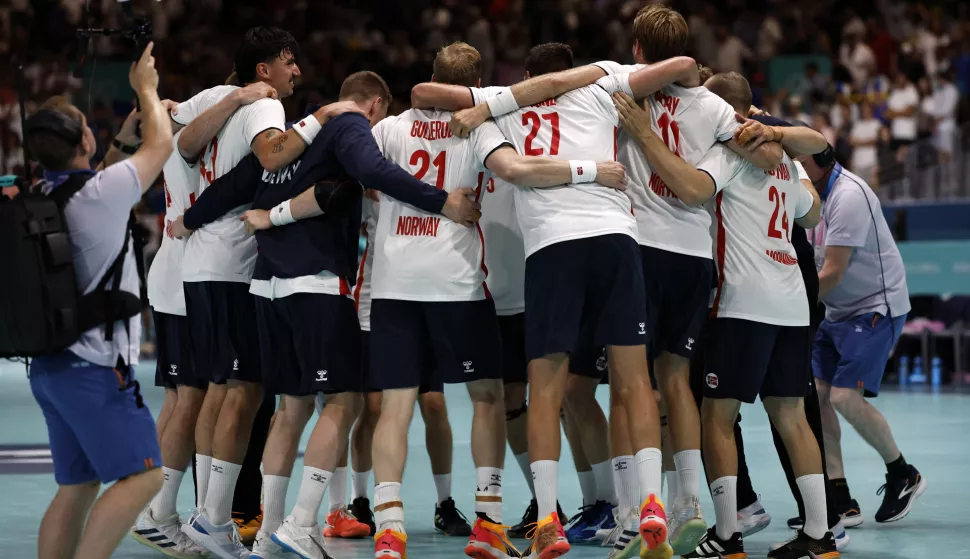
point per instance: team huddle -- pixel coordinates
(585, 225)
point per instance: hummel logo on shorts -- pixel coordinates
(468, 367)
(321, 376)
(643, 328)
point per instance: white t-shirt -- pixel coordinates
(181, 182)
(362, 289)
(903, 127)
(581, 124)
(758, 268)
(419, 256)
(865, 157)
(222, 250)
(505, 257)
(691, 121)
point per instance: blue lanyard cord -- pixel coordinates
(833, 176)
(57, 178)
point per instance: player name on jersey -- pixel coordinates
(431, 130)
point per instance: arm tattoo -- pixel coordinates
(270, 134)
(278, 146)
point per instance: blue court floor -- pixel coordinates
(933, 431)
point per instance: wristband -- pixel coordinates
(583, 171)
(123, 148)
(281, 215)
(308, 128)
(503, 103)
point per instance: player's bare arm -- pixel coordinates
(796, 140)
(692, 186)
(432, 95)
(542, 172)
(814, 215)
(836, 262)
(200, 131)
(276, 149)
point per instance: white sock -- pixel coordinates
(523, 460)
(605, 491)
(673, 487)
(203, 467)
(442, 484)
(165, 502)
(222, 485)
(274, 502)
(725, 493)
(689, 467)
(308, 502)
(488, 493)
(587, 485)
(650, 472)
(360, 483)
(391, 518)
(625, 481)
(338, 490)
(812, 488)
(545, 474)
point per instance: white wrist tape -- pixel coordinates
(281, 215)
(308, 128)
(583, 171)
(503, 103)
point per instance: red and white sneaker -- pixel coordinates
(653, 530)
(342, 524)
(548, 539)
(488, 541)
(391, 545)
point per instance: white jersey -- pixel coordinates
(505, 257)
(581, 124)
(222, 250)
(419, 256)
(759, 277)
(362, 289)
(181, 183)
(690, 121)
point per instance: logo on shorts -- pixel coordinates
(858, 328)
(468, 367)
(173, 370)
(711, 380)
(690, 342)
(601, 363)
(235, 364)
(643, 328)
(322, 376)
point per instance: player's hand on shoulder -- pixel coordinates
(372, 194)
(143, 76)
(611, 174)
(332, 110)
(634, 117)
(755, 111)
(176, 229)
(752, 134)
(256, 220)
(466, 120)
(461, 208)
(254, 92)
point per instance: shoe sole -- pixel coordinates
(557, 549)
(843, 542)
(631, 550)
(662, 551)
(485, 551)
(920, 489)
(288, 545)
(851, 521)
(202, 539)
(653, 532)
(763, 522)
(687, 536)
(164, 551)
(347, 535)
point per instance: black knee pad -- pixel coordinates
(512, 415)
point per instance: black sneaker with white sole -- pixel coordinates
(450, 521)
(849, 511)
(899, 494)
(804, 547)
(713, 547)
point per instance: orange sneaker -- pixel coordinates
(342, 524)
(391, 545)
(653, 530)
(548, 539)
(248, 530)
(488, 541)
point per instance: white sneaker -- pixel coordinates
(305, 541)
(264, 547)
(165, 536)
(686, 526)
(753, 519)
(219, 540)
(841, 536)
(625, 538)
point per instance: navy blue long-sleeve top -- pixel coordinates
(343, 149)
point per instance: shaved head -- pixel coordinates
(733, 88)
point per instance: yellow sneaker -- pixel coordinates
(248, 530)
(391, 545)
(488, 541)
(548, 539)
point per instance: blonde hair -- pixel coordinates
(661, 32)
(458, 64)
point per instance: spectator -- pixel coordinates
(701, 25)
(883, 46)
(731, 51)
(942, 109)
(864, 139)
(901, 112)
(820, 122)
(857, 57)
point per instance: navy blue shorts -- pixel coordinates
(678, 291)
(173, 356)
(590, 362)
(512, 331)
(415, 342)
(584, 293)
(747, 359)
(97, 432)
(853, 353)
(222, 326)
(426, 386)
(310, 343)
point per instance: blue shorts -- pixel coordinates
(223, 331)
(97, 432)
(853, 353)
(425, 387)
(173, 367)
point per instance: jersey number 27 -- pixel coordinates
(532, 118)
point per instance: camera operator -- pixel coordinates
(100, 431)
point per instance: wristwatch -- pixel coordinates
(123, 148)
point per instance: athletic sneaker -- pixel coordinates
(753, 519)
(265, 548)
(849, 511)
(450, 521)
(713, 547)
(360, 508)
(342, 524)
(248, 530)
(530, 518)
(653, 530)
(391, 545)
(625, 538)
(583, 527)
(221, 540)
(488, 541)
(838, 532)
(305, 541)
(165, 536)
(686, 525)
(548, 539)
(899, 495)
(803, 546)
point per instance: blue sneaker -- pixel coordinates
(220, 540)
(582, 528)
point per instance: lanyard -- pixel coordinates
(833, 176)
(57, 178)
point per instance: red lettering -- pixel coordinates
(781, 257)
(209, 172)
(430, 130)
(668, 102)
(413, 226)
(546, 103)
(779, 200)
(660, 188)
(782, 172)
